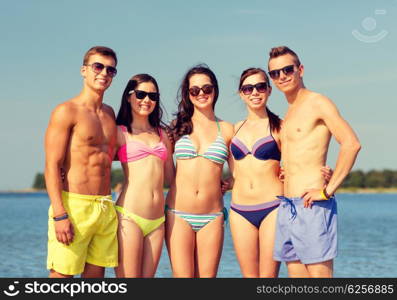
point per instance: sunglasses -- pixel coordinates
(247, 89)
(207, 89)
(142, 95)
(98, 67)
(287, 70)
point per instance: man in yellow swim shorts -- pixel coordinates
(81, 140)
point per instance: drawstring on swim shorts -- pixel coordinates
(292, 206)
(102, 200)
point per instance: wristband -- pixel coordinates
(62, 217)
(324, 194)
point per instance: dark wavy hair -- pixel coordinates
(183, 123)
(124, 116)
(274, 120)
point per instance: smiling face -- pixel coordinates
(145, 106)
(286, 83)
(256, 99)
(97, 81)
(201, 100)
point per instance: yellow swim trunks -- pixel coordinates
(95, 224)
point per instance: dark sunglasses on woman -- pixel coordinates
(142, 95)
(261, 87)
(195, 90)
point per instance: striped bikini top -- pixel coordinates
(217, 152)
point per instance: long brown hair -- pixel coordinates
(274, 120)
(183, 123)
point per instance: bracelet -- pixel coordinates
(324, 194)
(60, 214)
(62, 217)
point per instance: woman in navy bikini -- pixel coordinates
(255, 166)
(195, 211)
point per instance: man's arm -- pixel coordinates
(56, 141)
(347, 139)
(349, 148)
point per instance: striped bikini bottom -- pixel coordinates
(198, 221)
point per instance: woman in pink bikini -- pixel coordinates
(145, 153)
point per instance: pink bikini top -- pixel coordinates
(135, 150)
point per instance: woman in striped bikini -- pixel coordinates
(195, 212)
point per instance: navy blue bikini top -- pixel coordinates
(264, 148)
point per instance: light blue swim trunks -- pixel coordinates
(306, 234)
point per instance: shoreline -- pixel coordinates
(340, 191)
(367, 191)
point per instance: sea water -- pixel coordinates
(367, 225)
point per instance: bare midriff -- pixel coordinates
(304, 151)
(142, 192)
(197, 186)
(256, 181)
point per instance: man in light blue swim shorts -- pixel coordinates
(306, 230)
(306, 234)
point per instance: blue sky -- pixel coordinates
(43, 43)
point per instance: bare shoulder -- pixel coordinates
(238, 124)
(109, 110)
(227, 128)
(120, 137)
(318, 100)
(64, 112)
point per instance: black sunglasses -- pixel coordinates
(287, 70)
(247, 89)
(98, 67)
(142, 95)
(207, 89)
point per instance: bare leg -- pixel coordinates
(180, 240)
(93, 271)
(297, 270)
(321, 270)
(268, 266)
(246, 244)
(153, 243)
(209, 243)
(130, 239)
(55, 274)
